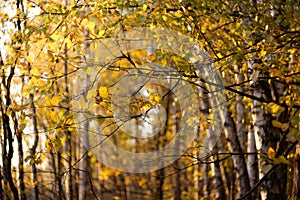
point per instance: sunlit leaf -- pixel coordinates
(275, 109)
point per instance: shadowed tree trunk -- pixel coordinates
(19, 135)
(68, 143)
(239, 160)
(1, 187)
(35, 190)
(206, 184)
(5, 103)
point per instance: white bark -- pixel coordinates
(255, 137)
(240, 111)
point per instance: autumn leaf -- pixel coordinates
(275, 109)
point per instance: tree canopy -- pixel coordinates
(63, 62)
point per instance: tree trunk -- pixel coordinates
(218, 181)
(84, 135)
(1, 188)
(239, 160)
(35, 190)
(217, 175)
(206, 183)
(253, 163)
(196, 170)
(59, 175)
(7, 133)
(68, 144)
(258, 132)
(173, 115)
(240, 111)
(21, 159)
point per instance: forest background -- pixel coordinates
(253, 44)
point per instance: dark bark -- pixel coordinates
(8, 157)
(59, 175)
(276, 183)
(239, 160)
(1, 188)
(70, 174)
(7, 133)
(219, 184)
(159, 184)
(35, 190)
(67, 132)
(21, 157)
(298, 178)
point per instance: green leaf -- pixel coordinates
(295, 120)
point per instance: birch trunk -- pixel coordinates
(254, 137)
(240, 111)
(253, 163)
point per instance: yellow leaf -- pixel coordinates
(292, 51)
(16, 107)
(103, 92)
(271, 153)
(263, 53)
(178, 14)
(151, 57)
(84, 22)
(101, 33)
(55, 100)
(145, 7)
(127, 180)
(280, 160)
(50, 54)
(91, 95)
(142, 182)
(91, 25)
(29, 59)
(93, 160)
(23, 121)
(9, 111)
(275, 109)
(276, 123)
(154, 98)
(164, 17)
(219, 55)
(285, 126)
(35, 71)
